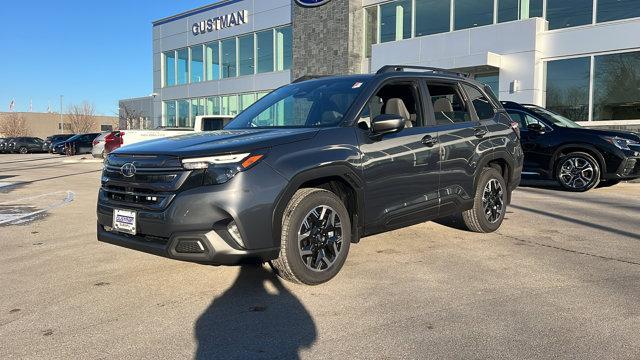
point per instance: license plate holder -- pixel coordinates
(124, 221)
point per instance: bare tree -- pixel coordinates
(14, 125)
(82, 118)
(133, 118)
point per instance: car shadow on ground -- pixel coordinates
(256, 318)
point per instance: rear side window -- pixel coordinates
(481, 104)
(524, 120)
(448, 104)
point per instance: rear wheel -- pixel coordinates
(578, 171)
(316, 234)
(490, 203)
(23, 150)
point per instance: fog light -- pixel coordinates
(235, 233)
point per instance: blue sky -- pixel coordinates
(99, 51)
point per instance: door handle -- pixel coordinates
(429, 141)
(480, 132)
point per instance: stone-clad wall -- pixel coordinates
(327, 40)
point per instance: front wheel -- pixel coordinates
(23, 150)
(315, 239)
(578, 171)
(489, 203)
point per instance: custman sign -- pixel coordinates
(220, 22)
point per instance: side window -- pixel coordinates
(524, 120)
(448, 104)
(483, 106)
(395, 98)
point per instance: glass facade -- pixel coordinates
(609, 10)
(264, 50)
(250, 54)
(492, 80)
(182, 112)
(616, 86)
(197, 64)
(472, 13)
(432, 16)
(245, 55)
(395, 20)
(567, 13)
(568, 87)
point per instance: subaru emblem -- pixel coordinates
(128, 170)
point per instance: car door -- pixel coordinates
(536, 145)
(400, 169)
(461, 134)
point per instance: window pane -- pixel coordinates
(472, 13)
(170, 113)
(229, 66)
(183, 113)
(508, 10)
(284, 54)
(213, 105)
(246, 100)
(213, 61)
(535, 9)
(492, 80)
(395, 21)
(183, 66)
(265, 51)
(616, 87)
(370, 29)
(229, 105)
(246, 56)
(262, 94)
(617, 9)
(483, 107)
(196, 64)
(448, 106)
(566, 13)
(169, 68)
(568, 88)
(197, 109)
(432, 16)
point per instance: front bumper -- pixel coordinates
(628, 169)
(200, 247)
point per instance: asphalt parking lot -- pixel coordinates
(558, 280)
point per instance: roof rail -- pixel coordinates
(308, 77)
(392, 68)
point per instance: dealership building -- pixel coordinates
(578, 57)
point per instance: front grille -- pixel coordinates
(153, 184)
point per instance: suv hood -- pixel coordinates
(605, 132)
(209, 143)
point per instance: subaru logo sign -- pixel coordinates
(311, 3)
(128, 170)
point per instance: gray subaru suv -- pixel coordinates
(313, 167)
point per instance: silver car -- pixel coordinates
(98, 145)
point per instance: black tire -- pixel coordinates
(476, 219)
(290, 264)
(586, 175)
(23, 150)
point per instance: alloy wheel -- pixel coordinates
(23, 150)
(320, 238)
(493, 201)
(576, 173)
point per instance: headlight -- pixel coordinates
(620, 143)
(220, 169)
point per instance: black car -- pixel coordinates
(25, 145)
(578, 158)
(4, 142)
(314, 166)
(76, 145)
(50, 141)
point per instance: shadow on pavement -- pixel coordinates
(256, 318)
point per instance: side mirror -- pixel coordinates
(386, 124)
(536, 127)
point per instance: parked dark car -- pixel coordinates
(579, 158)
(50, 141)
(25, 145)
(76, 145)
(314, 166)
(4, 142)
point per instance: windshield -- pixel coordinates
(316, 103)
(554, 118)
